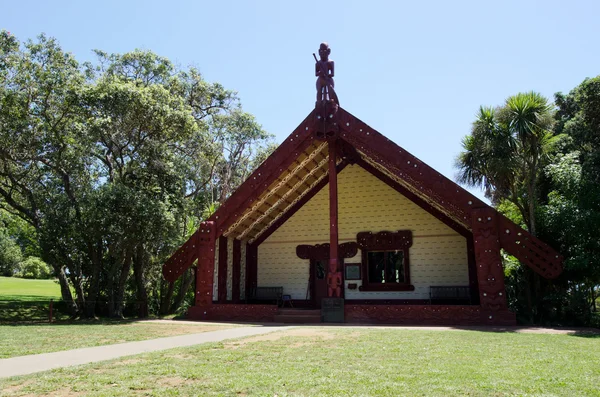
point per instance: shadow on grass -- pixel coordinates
(580, 332)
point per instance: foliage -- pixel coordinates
(507, 149)
(10, 255)
(34, 267)
(112, 163)
(545, 175)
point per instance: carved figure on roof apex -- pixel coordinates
(325, 70)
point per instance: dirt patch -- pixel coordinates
(310, 334)
(57, 393)
(16, 388)
(127, 362)
(172, 381)
(163, 330)
(182, 356)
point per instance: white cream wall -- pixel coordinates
(438, 255)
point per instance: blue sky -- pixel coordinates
(415, 71)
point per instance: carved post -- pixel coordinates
(206, 263)
(490, 275)
(334, 276)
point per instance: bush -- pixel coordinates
(34, 267)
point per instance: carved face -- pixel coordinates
(324, 51)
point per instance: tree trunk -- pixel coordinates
(65, 290)
(94, 281)
(165, 302)
(186, 282)
(138, 272)
(120, 293)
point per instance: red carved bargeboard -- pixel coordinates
(425, 315)
(233, 312)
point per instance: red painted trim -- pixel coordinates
(289, 150)
(206, 263)
(233, 312)
(222, 269)
(490, 274)
(415, 172)
(385, 241)
(473, 283)
(235, 279)
(295, 207)
(454, 199)
(333, 209)
(415, 199)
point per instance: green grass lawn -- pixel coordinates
(20, 340)
(330, 361)
(28, 300)
(19, 289)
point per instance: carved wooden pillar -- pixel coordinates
(334, 276)
(490, 275)
(206, 263)
(235, 277)
(222, 269)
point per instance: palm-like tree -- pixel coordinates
(505, 151)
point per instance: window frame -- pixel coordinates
(385, 241)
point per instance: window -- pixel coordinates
(386, 266)
(385, 260)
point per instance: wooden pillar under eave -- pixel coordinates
(334, 276)
(235, 278)
(222, 275)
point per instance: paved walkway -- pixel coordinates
(25, 365)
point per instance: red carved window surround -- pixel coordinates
(388, 252)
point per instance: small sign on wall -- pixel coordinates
(353, 271)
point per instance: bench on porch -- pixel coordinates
(444, 293)
(266, 294)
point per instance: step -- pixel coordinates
(294, 319)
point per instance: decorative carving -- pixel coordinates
(334, 284)
(442, 193)
(490, 275)
(385, 241)
(321, 251)
(402, 239)
(529, 249)
(325, 71)
(206, 263)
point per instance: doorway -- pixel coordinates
(318, 277)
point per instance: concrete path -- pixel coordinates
(25, 365)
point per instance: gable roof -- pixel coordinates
(298, 168)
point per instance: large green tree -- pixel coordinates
(113, 164)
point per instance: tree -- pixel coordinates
(505, 153)
(506, 150)
(113, 163)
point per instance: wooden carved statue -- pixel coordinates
(325, 70)
(334, 284)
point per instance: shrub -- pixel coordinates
(34, 267)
